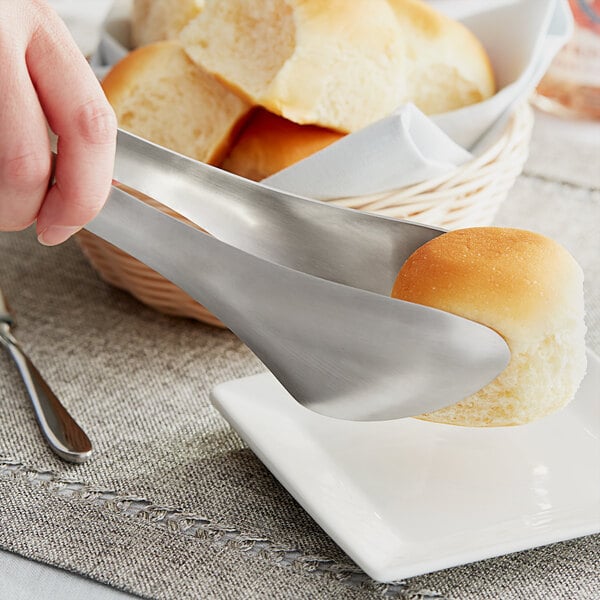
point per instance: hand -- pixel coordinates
(45, 80)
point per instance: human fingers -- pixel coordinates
(24, 151)
(79, 114)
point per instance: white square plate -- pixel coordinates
(407, 497)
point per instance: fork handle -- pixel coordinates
(59, 428)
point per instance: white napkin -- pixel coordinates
(399, 150)
(521, 39)
(407, 147)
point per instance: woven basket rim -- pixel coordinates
(518, 128)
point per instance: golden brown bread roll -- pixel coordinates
(339, 64)
(269, 143)
(158, 93)
(526, 287)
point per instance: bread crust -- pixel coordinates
(269, 143)
(509, 279)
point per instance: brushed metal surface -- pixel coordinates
(304, 284)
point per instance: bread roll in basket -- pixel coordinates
(253, 87)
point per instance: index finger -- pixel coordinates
(79, 114)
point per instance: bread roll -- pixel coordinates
(158, 93)
(159, 20)
(526, 287)
(269, 143)
(339, 64)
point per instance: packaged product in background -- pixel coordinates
(571, 87)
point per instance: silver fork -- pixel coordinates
(303, 283)
(64, 436)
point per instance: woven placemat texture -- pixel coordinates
(173, 506)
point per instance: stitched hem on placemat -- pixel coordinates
(176, 521)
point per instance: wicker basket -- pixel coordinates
(470, 196)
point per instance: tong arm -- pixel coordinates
(343, 245)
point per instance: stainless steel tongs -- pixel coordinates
(303, 283)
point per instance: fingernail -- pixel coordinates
(56, 234)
